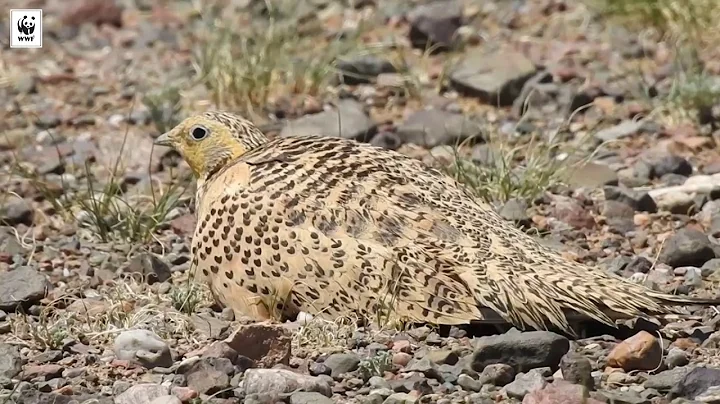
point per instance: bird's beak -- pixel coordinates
(163, 140)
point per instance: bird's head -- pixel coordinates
(208, 141)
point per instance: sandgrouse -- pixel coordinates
(335, 227)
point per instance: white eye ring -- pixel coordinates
(198, 132)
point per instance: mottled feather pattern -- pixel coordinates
(335, 227)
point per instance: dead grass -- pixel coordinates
(691, 31)
(108, 208)
(98, 318)
(691, 21)
(248, 62)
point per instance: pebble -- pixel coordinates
(152, 267)
(16, 212)
(577, 369)
(361, 69)
(561, 392)
(143, 347)
(498, 374)
(341, 363)
(281, 381)
(169, 399)
(623, 129)
(400, 398)
(676, 357)
(141, 393)
(525, 383)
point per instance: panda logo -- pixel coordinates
(26, 26)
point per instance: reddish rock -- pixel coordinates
(47, 371)
(183, 225)
(93, 11)
(402, 345)
(266, 344)
(401, 358)
(642, 351)
(573, 213)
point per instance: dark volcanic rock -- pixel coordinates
(521, 350)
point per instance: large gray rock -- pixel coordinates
(521, 350)
(496, 78)
(348, 120)
(22, 286)
(435, 127)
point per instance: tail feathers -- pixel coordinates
(673, 300)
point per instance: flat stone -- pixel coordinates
(281, 381)
(306, 397)
(496, 78)
(666, 380)
(10, 361)
(592, 175)
(623, 129)
(521, 350)
(22, 286)
(362, 69)
(340, 363)
(687, 247)
(266, 344)
(209, 375)
(433, 127)
(696, 382)
(142, 393)
(348, 120)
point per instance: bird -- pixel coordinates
(336, 227)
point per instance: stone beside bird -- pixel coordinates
(335, 227)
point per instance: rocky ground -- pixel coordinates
(596, 135)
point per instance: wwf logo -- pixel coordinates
(26, 25)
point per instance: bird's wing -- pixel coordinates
(357, 229)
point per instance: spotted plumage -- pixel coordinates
(335, 227)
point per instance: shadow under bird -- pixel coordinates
(335, 227)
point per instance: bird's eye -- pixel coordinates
(198, 133)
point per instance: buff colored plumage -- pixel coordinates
(335, 227)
